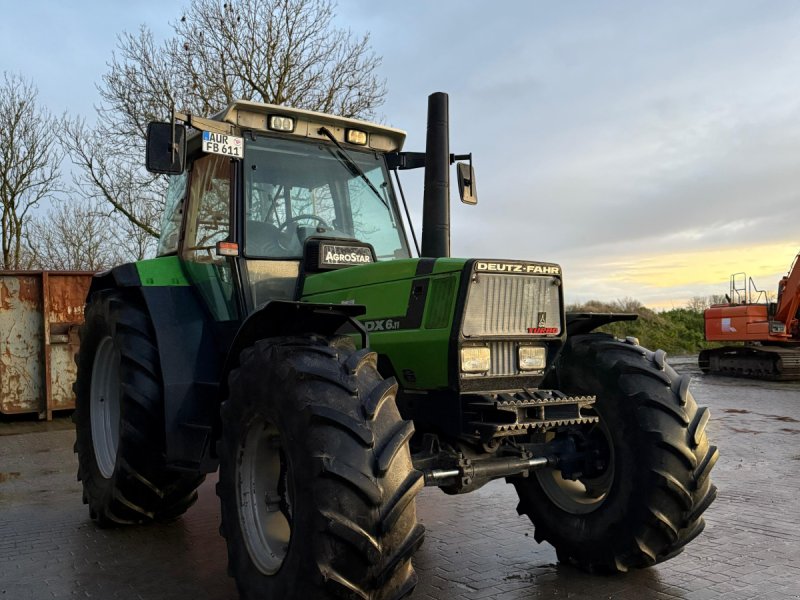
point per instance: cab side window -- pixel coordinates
(210, 192)
(173, 215)
(207, 223)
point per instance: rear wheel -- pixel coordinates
(316, 482)
(119, 419)
(643, 501)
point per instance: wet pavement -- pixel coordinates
(476, 545)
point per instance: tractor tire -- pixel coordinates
(647, 503)
(316, 482)
(119, 419)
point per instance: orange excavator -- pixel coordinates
(770, 330)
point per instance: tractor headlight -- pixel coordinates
(532, 358)
(280, 123)
(355, 136)
(475, 359)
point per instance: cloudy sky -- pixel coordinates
(651, 148)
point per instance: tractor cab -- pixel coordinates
(258, 187)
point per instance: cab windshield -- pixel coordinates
(294, 190)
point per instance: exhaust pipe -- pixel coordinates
(436, 198)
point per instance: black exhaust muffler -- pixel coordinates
(436, 198)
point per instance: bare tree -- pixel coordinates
(698, 303)
(276, 51)
(74, 236)
(111, 169)
(628, 305)
(30, 158)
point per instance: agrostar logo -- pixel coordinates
(345, 255)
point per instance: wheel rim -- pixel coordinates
(104, 406)
(583, 495)
(264, 502)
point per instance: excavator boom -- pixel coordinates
(789, 300)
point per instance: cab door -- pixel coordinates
(208, 221)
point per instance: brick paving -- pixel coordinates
(476, 547)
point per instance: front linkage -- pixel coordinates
(614, 475)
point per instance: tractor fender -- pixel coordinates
(283, 317)
(191, 348)
(190, 358)
(119, 277)
(196, 354)
(584, 322)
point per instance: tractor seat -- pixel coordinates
(262, 239)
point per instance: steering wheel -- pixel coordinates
(300, 217)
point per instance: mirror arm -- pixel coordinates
(405, 160)
(455, 157)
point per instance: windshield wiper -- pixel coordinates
(344, 157)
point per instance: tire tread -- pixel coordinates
(672, 434)
(360, 480)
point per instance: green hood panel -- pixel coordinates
(410, 308)
(375, 273)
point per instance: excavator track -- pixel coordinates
(775, 363)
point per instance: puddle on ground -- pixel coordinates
(742, 411)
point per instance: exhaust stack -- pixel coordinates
(436, 198)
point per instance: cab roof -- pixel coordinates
(245, 115)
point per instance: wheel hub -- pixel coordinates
(263, 497)
(104, 406)
(586, 491)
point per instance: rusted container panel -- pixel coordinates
(40, 312)
(63, 368)
(21, 344)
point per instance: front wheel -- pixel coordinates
(642, 501)
(316, 482)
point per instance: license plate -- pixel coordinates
(220, 143)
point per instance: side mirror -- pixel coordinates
(466, 183)
(166, 148)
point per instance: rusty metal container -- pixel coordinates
(40, 312)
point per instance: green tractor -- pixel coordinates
(287, 336)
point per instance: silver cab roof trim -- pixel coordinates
(245, 114)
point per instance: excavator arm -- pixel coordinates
(789, 300)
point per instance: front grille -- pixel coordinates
(504, 359)
(502, 305)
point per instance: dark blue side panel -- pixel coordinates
(192, 349)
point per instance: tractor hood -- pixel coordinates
(378, 286)
(410, 306)
(420, 313)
